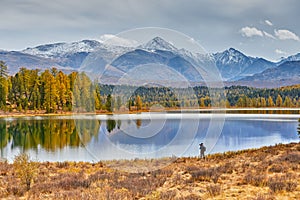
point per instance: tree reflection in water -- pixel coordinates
(49, 133)
(298, 127)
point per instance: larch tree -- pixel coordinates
(50, 96)
(139, 102)
(278, 101)
(270, 102)
(3, 84)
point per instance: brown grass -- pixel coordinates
(258, 174)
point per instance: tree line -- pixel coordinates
(55, 91)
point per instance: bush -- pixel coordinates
(278, 168)
(207, 174)
(25, 169)
(286, 182)
(276, 184)
(292, 157)
(263, 197)
(168, 195)
(4, 168)
(291, 186)
(213, 190)
(255, 179)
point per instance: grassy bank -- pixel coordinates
(265, 173)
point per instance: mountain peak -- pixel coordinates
(234, 51)
(159, 43)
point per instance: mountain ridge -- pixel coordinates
(234, 66)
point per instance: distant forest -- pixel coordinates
(53, 91)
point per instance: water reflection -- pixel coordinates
(50, 134)
(298, 129)
(87, 139)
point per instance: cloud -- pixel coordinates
(280, 52)
(284, 34)
(251, 31)
(268, 22)
(269, 35)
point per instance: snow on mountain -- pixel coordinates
(231, 56)
(58, 49)
(233, 65)
(295, 57)
(158, 43)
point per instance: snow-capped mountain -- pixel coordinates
(232, 64)
(295, 57)
(59, 49)
(158, 43)
(235, 65)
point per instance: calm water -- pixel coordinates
(101, 137)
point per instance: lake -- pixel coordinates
(128, 136)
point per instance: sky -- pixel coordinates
(259, 28)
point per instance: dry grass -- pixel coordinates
(258, 174)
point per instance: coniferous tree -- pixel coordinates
(138, 102)
(270, 102)
(279, 101)
(50, 90)
(108, 104)
(3, 85)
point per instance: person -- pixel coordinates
(202, 150)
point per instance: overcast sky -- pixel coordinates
(261, 28)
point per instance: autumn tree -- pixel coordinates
(288, 102)
(64, 98)
(3, 85)
(50, 91)
(83, 93)
(98, 101)
(139, 102)
(278, 101)
(270, 102)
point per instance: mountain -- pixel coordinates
(287, 73)
(93, 57)
(158, 43)
(65, 54)
(234, 65)
(14, 60)
(61, 49)
(295, 57)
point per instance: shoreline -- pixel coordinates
(280, 110)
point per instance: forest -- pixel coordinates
(53, 91)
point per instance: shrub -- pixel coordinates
(62, 164)
(291, 186)
(263, 197)
(255, 179)
(15, 190)
(276, 184)
(213, 190)
(278, 168)
(207, 174)
(25, 169)
(168, 195)
(292, 157)
(285, 182)
(4, 168)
